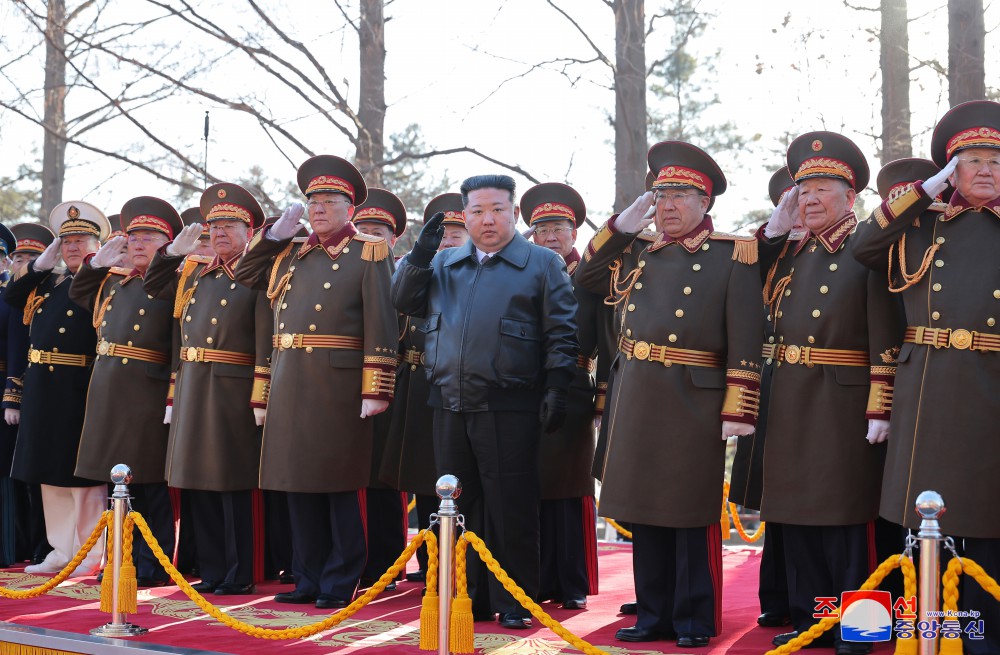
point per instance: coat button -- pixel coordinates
(312, 328)
(318, 308)
(209, 340)
(214, 321)
(939, 263)
(780, 313)
(223, 302)
(347, 250)
(991, 322)
(326, 285)
(284, 305)
(638, 285)
(336, 267)
(62, 330)
(833, 267)
(996, 294)
(69, 312)
(824, 289)
(788, 292)
(672, 338)
(281, 326)
(939, 240)
(935, 315)
(413, 328)
(705, 247)
(142, 312)
(816, 313)
(696, 267)
(136, 327)
(187, 319)
(631, 308)
(628, 332)
(687, 291)
(937, 287)
(811, 339)
(642, 263)
(770, 339)
(232, 286)
(679, 313)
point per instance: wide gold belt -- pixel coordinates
(667, 356)
(110, 349)
(193, 354)
(811, 356)
(949, 338)
(46, 357)
(586, 363)
(287, 341)
(413, 357)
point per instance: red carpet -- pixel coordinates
(390, 623)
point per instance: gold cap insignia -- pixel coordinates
(222, 193)
(817, 145)
(73, 212)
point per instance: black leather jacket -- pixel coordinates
(498, 333)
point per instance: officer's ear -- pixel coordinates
(852, 195)
(350, 211)
(704, 201)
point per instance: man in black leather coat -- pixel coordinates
(501, 352)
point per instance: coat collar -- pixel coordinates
(691, 241)
(134, 273)
(832, 237)
(332, 246)
(572, 261)
(958, 204)
(515, 253)
(228, 267)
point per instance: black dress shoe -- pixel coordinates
(636, 634)
(514, 621)
(233, 589)
(294, 597)
(688, 640)
(575, 603)
(629, 609)
(853, 648)
(823, 641)
(100, 576)
(147, 583)
(205, 586)
(773, 619)
(325, 602)
(417, 576)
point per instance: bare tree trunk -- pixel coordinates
(966, 38)
(895, 66)
(371, 106)
(630, 101)
(54, 148)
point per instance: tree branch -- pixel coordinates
(600, 55)
(451, 151)
(346, 17)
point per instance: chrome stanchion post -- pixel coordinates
(121, 475)
(930, 507)
(448, 489)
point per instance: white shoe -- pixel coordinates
(45, 567)
(87, 568)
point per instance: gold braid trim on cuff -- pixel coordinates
(740, 400)
(261, 391)
(880, 397)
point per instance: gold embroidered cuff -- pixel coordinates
(260, 392)
(741, 404)
(879, 400)
(377, 383)
(170, 389)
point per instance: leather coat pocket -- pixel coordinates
(519, 356)
(429, 327)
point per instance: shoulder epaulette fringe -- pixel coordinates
(120, 270)
(183, 295)
(647, 235)
(299, 239)
(744, 248)
(375, 248)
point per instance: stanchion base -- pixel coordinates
(118, 630)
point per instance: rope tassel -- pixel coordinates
(429, 615)
(462, 633)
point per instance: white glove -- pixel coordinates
(12, 416)
(939, 181)
(878, 430)
(186, 241)
(167, 415)
(372, 407)
(784, 215)
(288, 225)
(734, 429)
(637, 216)
(258, 415)
(50, 256)
(110, 253)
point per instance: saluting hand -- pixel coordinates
(784, 215)
(939, 181)
(186, 241)
(288, 225)
(878, 430)
(637, 216)
(428, 241)
(110, 253)
(735, 429)
(50, 256)
(371, 407)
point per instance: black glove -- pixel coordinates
(427, 242)
(553, 412)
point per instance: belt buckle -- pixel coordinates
(35, 356)
(641, 350)
(961, 339)
(423, 359)
(792, 354)
(285, 341)
(103, 347)
(191, 354)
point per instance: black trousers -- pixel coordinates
(568, 540)
(277, 535)
(678, 578)
(387, 526)
(38, 543)
(152, 500)
(824, 560)
(986, 553)
(772, 588)
(186, 551)
(426, 505)
(495, 456)
(329, 542)
(224, 533)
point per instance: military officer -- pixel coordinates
(132, 371)
(12, 498)
(220, 396)
(568, 512)
(382, 214)
(408, 461)
(747, 477)
(686, 374)
(335, 329)
(60, 355)
(943, 265)
(32, 239)
(836, 335)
